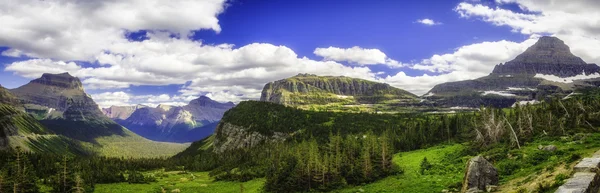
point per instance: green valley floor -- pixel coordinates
(521, 170)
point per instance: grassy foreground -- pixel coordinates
(184, 182)
(521, 170)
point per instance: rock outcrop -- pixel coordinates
(311, 89)
(546, 69)
(480, 175)
(229, 136)
(586, 178)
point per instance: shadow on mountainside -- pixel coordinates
(87, 131)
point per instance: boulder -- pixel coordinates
(480, 175)
(547, 148)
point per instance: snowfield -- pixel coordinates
(554, 78)
(501, 93)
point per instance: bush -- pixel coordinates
(509, 167)
(425, 165)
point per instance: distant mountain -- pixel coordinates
(547, 68)
(121, 112)
(177, 124)
(309, 91)
(61, 106)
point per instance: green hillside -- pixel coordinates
(22, 130)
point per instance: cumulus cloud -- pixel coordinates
(575, 22)
(57, 35)
(479, 57)
(78, 30)
(357, 55)
(428, 22)
(121, 98)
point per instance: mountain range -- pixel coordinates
(546, 69)
(54, 114)
(188, 123)
(54, 109)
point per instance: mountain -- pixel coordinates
(177, 124)
(546, 69)
(59, 103)
(54, 96)
(308, 91)
(120, 112)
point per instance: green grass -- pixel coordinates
(523, 168)
(188, 182)
(134, 146)
(519, 168)
(411, 180)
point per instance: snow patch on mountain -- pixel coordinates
(501, 93)
(520, 88)
(555, 78)
(521, 103)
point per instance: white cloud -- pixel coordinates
(34, 68)
(428, 22)
(357, 55)
(94, 31)
(121, 98)
(79, 30)
(479, 57)
(575, 22)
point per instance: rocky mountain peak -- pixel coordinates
(549, 50)
(204, 101)
(549, 56)
(63, 80)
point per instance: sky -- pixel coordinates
(169, 52)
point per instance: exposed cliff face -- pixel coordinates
(61, 92)
(312, 89)
(177, 124)
(519, 79)
(229, 136)
(120, 112)
(549, 55)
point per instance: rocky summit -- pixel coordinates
(58, 96)
(549, 55)
(546, 69)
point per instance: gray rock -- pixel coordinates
(581, 182)
(229, 136)
(547, 148)
(479, 175)
(587, 165)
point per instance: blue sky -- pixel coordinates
(228, 50)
